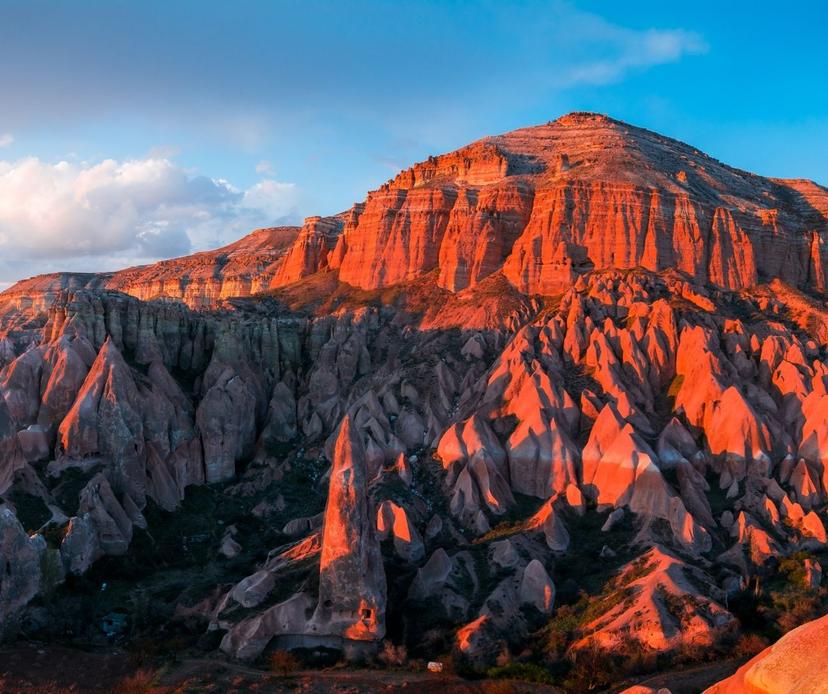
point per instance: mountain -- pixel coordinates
(540, 205)
(556, 401)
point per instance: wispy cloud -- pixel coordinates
(6, 139)
(598, 52)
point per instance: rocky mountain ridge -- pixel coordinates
(541, 205)
(561, 392)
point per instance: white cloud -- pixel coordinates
(6, 139)
(621, 50)
(71, 214)
(265, 168)
(276, 199)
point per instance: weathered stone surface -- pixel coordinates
(106, 419)
(393, 521)
(80, 546)
(654, 578)
(795, 663)
(27, 566)
(641, 386)
(536, 588)
(248, 638)
(352, 590)
(12, 455)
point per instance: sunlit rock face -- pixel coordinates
(542, 205)
(577, 345)
(585, 191)
(653, 585)
(246, 267)
(795, 663)
(352, 590)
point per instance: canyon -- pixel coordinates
(557, 398)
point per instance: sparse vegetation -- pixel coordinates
(140, 682)
(391, 655)
(284, 663)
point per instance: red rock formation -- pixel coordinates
(352, 589)
(795, 663)
(309, 253)
(245, 267)
(656, 578)
(626, 198)
(543, 205)
(639, 390)
(107, 419)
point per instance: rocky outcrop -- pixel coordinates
(477, 469)
(246, 267)
(669, 400)
(27, 568)
(504, 612)
(309, 253)
(663, 608)
(795, 663)
(542, 205)
(625, 198)
(107, 420)
(12, 456)
(393, 522)
(352, 590)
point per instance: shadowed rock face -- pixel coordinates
(520, 357)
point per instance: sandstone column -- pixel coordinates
(352, 589)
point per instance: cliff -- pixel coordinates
(541, 205)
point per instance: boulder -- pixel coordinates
(393, 521)
(795, 663)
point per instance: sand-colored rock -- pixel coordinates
(795, 663)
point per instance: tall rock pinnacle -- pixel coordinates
(352, 590)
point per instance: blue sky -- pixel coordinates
(132, 131)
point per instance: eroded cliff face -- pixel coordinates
(540, 205)
(445, 463)
(688, 419)
(201, 281)
(546, 204)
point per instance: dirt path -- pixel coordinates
(34, 668)
(205, 675)
(690, 680)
